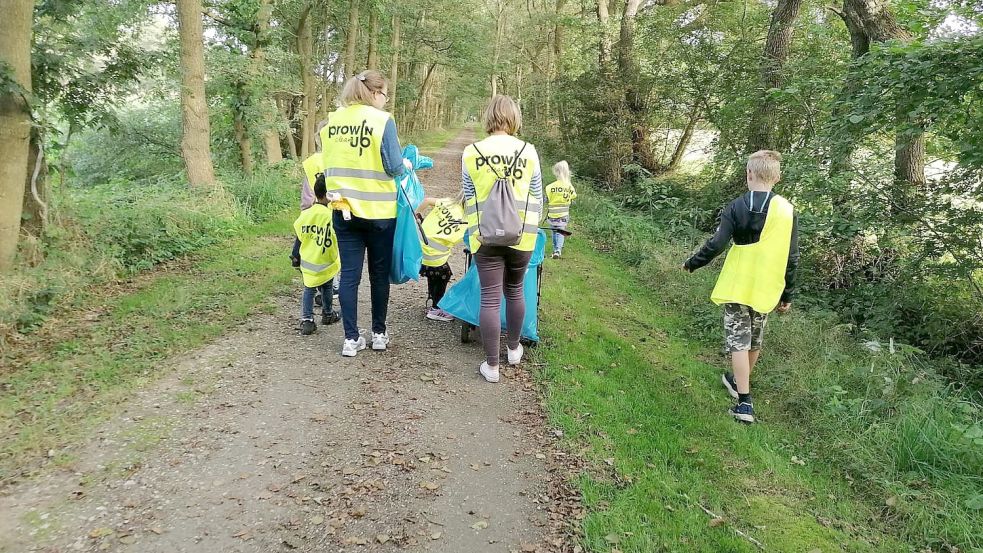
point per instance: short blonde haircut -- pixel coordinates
(561, 170)
(360, 88)
(766, 166)
(502, 114)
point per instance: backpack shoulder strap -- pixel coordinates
(482, 156)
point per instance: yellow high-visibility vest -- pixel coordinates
(754, 274)
(319, 258)
(444, 226)
(312, 166)
(559, 195)
(351, 144)
(499, 152)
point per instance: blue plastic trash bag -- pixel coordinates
(409, 181)
(407, 252)
(463, 299)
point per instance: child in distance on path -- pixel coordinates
(559, 195)
(758, 274)
(443, 226)
(315, 253)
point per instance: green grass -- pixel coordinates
(632, 377)
(52, 401)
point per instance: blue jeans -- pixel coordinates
(558, 242)
(355, 238)
(307, 301)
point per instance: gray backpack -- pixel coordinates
(499, 223)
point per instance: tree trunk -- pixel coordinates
(15, 123)
(241, 134)
(394, 64)
(778, 46)
(872, 20)
(497, 50)
(635, 97)
(195, 136)
(271, 139)
(35, 214)
(372, 59)
(414, 121)
(603, 37)
(305, 52)
(677, 155)
(351, 39)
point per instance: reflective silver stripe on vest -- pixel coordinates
(438, 246)
(351, 194)
(436, 257)
(312, 267)
(356, 173)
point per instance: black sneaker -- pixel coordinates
(728, 380)
(743, 412)
(330, 318)
(307, 328)
(318, 300)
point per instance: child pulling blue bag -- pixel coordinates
(463, 300)
(407, 251)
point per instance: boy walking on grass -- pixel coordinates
(758, 274)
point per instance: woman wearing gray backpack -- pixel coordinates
(503, 191)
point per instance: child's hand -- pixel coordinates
(294, 262)
(784, 307)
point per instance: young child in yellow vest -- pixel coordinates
(315, 253)
(559, 196)
(443, 227)
(758, 274)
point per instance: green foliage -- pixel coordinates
(887, 420)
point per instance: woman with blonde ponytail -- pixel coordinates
(362, 156)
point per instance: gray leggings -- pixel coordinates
(498, 266)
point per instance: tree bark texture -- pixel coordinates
(15, 123)
(241, 133)
(680, 152)
(271, 138)
(635, 96)
(778, 46)
(195, 135)
(394, 64)
(872, 21)
(305, 53)
(603, 37)
(372, 59)
(34, 217)
(351, 40)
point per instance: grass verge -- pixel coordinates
(858, 451)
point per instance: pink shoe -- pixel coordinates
(437, 314)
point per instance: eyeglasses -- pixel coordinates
(386, 96)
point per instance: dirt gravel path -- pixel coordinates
(267, 441)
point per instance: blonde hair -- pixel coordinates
(360, 88)
(766, 165)
(502, 114)
(561, 170)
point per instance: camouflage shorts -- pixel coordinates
(744, 328)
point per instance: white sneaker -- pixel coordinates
(436, 314)
(515, 355)
(488, 372)
(380, 341)
(352, 347)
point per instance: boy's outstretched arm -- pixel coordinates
(715, 245)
